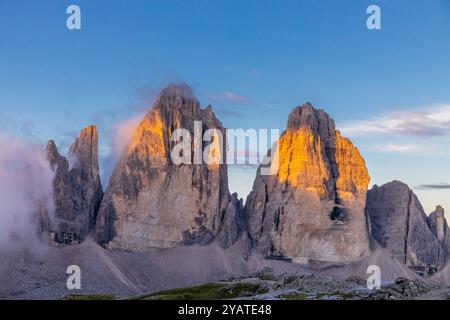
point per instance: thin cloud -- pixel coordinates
(231, 97)
(398, 148)
(120, 135)
(234, 97)
(438, 186)
(228, 97)
(255, 71)
(431, 121)
(231, 113)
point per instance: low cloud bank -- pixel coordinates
(26, 193)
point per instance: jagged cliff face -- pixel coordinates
(438, 225)
(313, 208)
(77, 190)
(399, 224)
(153, 202)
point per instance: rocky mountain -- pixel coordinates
(399, 223)
(313, 207)
(313, 210)
(438, 225)
(77, 187)
(153, 202)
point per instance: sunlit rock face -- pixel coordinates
(153, 202)
(77, 188)
(399, 223)
(438, 225)
(313, 207)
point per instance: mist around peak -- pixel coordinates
(25, 194)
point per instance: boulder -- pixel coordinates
(438, 225)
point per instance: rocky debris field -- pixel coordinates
(315, 287)
(265, 285)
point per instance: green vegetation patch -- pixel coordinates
(293, 296)
(90, 297)
(210, 291)
(337, 294)
(318, 296)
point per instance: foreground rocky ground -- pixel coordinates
(199, 272)
(315, 287)
(265, 285)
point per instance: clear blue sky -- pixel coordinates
(252, 60)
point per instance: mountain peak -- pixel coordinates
(89, 132)
(439, 211)
(313, 207)
(178, 98)
(306, 116)
(51, 148)
(52, 152)
(170, 204)
(85, 150)
(77, 190)
(177, 90)
(400, 225)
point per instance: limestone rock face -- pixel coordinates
(153, 202)
(77, 189)
(313, 207)
(399, 224)
(438, 225)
